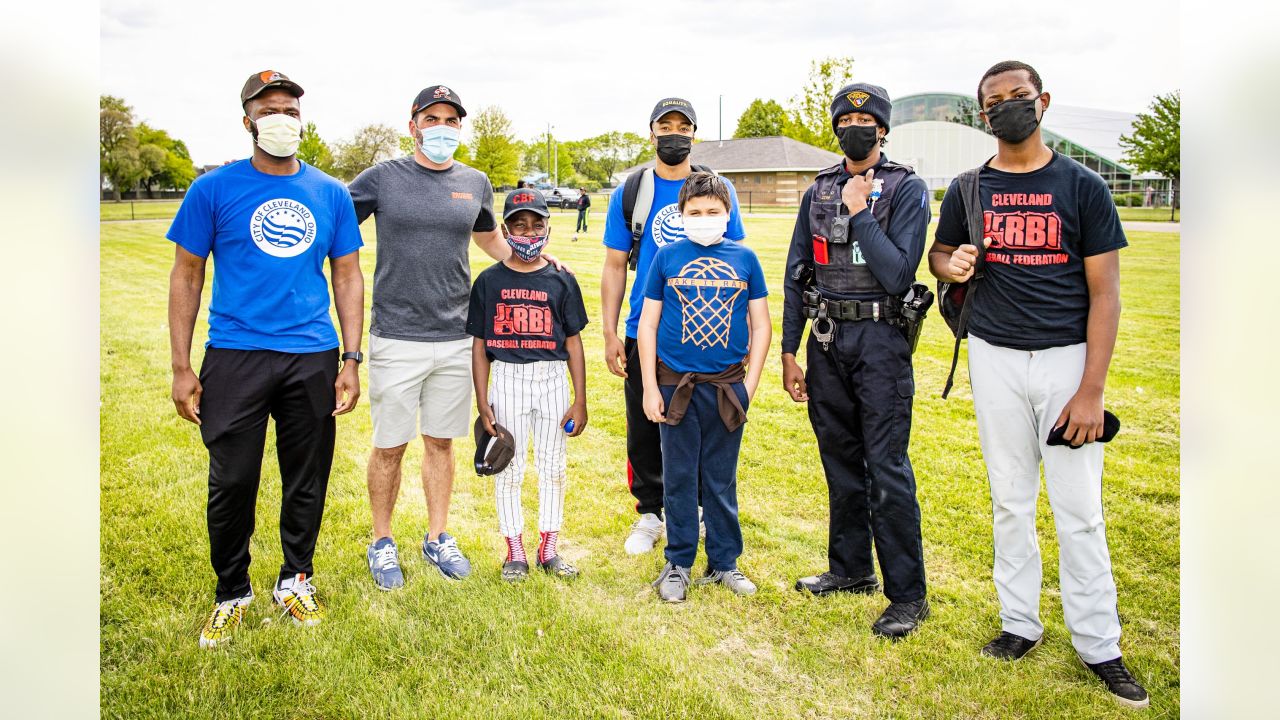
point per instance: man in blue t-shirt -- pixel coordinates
(1043, 320)
(269, 222)
(671, 128)
(705, 309)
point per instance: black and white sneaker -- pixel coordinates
(1008, 646)
(1122, 685)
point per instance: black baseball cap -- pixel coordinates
(680, 105)
(433, 94)
(525, 199)
(258, 82)
(493, 453)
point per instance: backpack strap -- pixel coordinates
(637, 201)
(972, 199)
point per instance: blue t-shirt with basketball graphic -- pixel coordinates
(664, 226)
(269, 236)
(704, 293)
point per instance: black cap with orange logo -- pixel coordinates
(258, 82)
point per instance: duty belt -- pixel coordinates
(874, 310)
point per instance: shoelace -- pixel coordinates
(1114, 672)
(652, 532)
(448, 550)
(305, 593)
(386, 557)
(677, 574)
(222, 614)
(736, 576)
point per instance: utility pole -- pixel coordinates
(720, 120)
(548, 151)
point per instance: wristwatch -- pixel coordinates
(357, 356)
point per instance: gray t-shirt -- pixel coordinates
(424, 219)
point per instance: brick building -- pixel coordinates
(767, 171)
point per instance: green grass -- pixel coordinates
(1148, 214)
(604, 647)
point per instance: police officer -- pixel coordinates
(857, 242)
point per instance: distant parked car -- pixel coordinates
(562, 197)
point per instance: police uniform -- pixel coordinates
(859, 377)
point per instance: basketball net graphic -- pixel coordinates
(708, 289)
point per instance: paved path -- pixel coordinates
(1145, 226)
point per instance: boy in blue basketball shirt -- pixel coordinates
(672, 125)
(693, 335)
(526, 318)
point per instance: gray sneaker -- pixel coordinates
(732, 579)
(672, 583)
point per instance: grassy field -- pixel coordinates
(604, 647)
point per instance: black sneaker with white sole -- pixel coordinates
(1008, 646)
(1122, 685)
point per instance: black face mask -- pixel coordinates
(673, 149)
(857, 141)
(1013, 120)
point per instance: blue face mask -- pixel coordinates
(439, 142)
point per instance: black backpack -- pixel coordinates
(955, 299)
(637, 201)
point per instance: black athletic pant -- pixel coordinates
(241, 389)
(644, 441)
(860, 392)
(582, 220)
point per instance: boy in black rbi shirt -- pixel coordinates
(525, 317)
(1041, 332)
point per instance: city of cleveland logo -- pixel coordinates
(858, 98)
(282, 228)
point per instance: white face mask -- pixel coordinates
(439, 142)
(706, 229)
(279, 135)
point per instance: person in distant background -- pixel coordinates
(584, 203)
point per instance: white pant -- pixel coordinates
(1017, 396)
(529, 400)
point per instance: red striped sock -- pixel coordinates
(547, 545)
(515, 549)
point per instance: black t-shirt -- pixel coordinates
(1043, 224)
(525, 317)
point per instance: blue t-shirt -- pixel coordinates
(704, 293)
(269, 235)
(664, 226)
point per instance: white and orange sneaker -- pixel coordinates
(223, 621)
(298, 598)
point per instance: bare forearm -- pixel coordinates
(760, 339)
(613, 283)
(577, 369)
(939, 262)
(479, 371)
(1104, 323)
(647, 348)
(493, 244)
(184, 304)
(348, 296)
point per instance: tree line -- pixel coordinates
(138, 154)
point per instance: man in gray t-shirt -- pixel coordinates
(427, 209)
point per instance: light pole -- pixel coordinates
(720, 120)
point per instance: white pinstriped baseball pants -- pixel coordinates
(1017, 395)
(529, 400)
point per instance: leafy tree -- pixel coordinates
(598, 158)
(1155, 143)
(369, 145)
(809, 113)
(314, 151)
(762, 118)
(497, 152)
(165, 160)
(118, 159)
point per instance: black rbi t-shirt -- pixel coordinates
(525, 317)
(1043, 224)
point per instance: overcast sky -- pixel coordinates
(591, 67)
